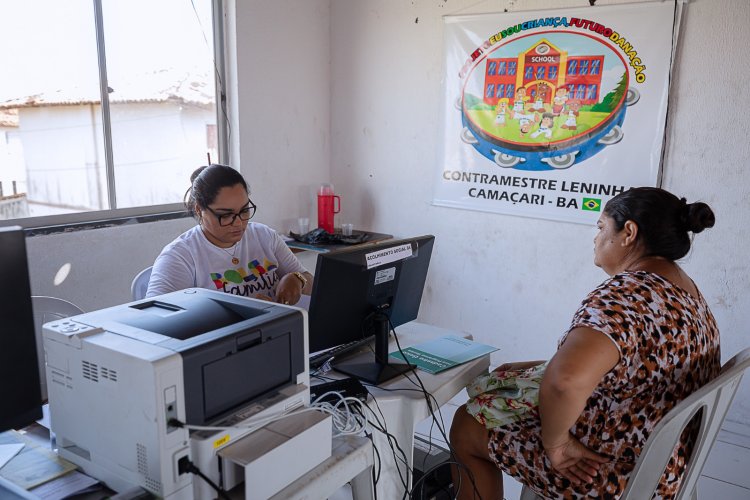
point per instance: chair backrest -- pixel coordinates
(48, 309)
(714, 400)
(139, 287)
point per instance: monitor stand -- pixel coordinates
(378, 371)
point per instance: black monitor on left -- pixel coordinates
(20, 391)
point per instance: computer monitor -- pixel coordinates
(361, 292)
(20, 391)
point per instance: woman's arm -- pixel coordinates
(571, 376)
(307, 290)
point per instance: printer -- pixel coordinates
(121, 381)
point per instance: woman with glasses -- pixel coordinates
(225, 251)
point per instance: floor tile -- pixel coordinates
(719, 490)
(729, 463)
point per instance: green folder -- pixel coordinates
(435, 356)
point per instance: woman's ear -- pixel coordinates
(630, 231)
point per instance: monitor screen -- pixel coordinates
(20, 391)
(364, 290)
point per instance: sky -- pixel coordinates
(51, 44)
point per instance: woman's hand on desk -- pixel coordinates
(289, 289)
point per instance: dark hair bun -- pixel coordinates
(699, 217)
(197, 173)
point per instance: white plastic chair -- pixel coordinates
(714, 399)
(139, 286)
(48, 309)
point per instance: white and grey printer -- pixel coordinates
(117, 378)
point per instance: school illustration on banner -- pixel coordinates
(555, 112)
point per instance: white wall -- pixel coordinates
(282, 89)
(515, 282)
(102, 262)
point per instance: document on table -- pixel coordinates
(33, 465)
(435, 356)
(72, 483)
(8, 451)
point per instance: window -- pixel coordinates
(69, 150)
(512, 68)
(572, 66)
(595, 67)
(552, 72)
(490, 91)
(580, 91)
(501, 68)
(529, 74)
(591, 92)
(509, 91)
(500, 90)
(491, 67)
(540, 72)
(584, 67)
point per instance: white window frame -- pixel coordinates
(99, 218)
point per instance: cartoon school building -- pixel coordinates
(541, 70)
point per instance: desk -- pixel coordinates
(351, 461)
(404, 409)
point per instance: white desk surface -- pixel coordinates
(403, 406)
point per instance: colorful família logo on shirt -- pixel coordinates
(239, 275)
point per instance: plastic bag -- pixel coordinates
(499, 398)
(319, 236)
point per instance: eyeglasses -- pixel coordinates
(227, 219)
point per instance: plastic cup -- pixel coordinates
(347, 229)
(303, 225)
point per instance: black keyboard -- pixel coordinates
(319, 359)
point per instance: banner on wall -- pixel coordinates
(550, 114)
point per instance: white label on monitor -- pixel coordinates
(384, 275)
(387, 255)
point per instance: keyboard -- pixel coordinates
(320, 358)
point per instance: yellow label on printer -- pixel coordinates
(221, 441)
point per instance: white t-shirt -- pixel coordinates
(193, 261)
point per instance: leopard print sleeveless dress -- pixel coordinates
(669, 347)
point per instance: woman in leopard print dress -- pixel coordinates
(640, 343)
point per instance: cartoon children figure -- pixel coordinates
(525, 121)
(520, 100)
(558, 102)
(541, 96)
(545, 127)
(574, 105)
(500, 110)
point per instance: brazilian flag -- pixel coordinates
(591, 204)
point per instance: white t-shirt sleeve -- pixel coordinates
(173, 270)
(288, 263)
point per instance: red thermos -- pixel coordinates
(328, 205)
